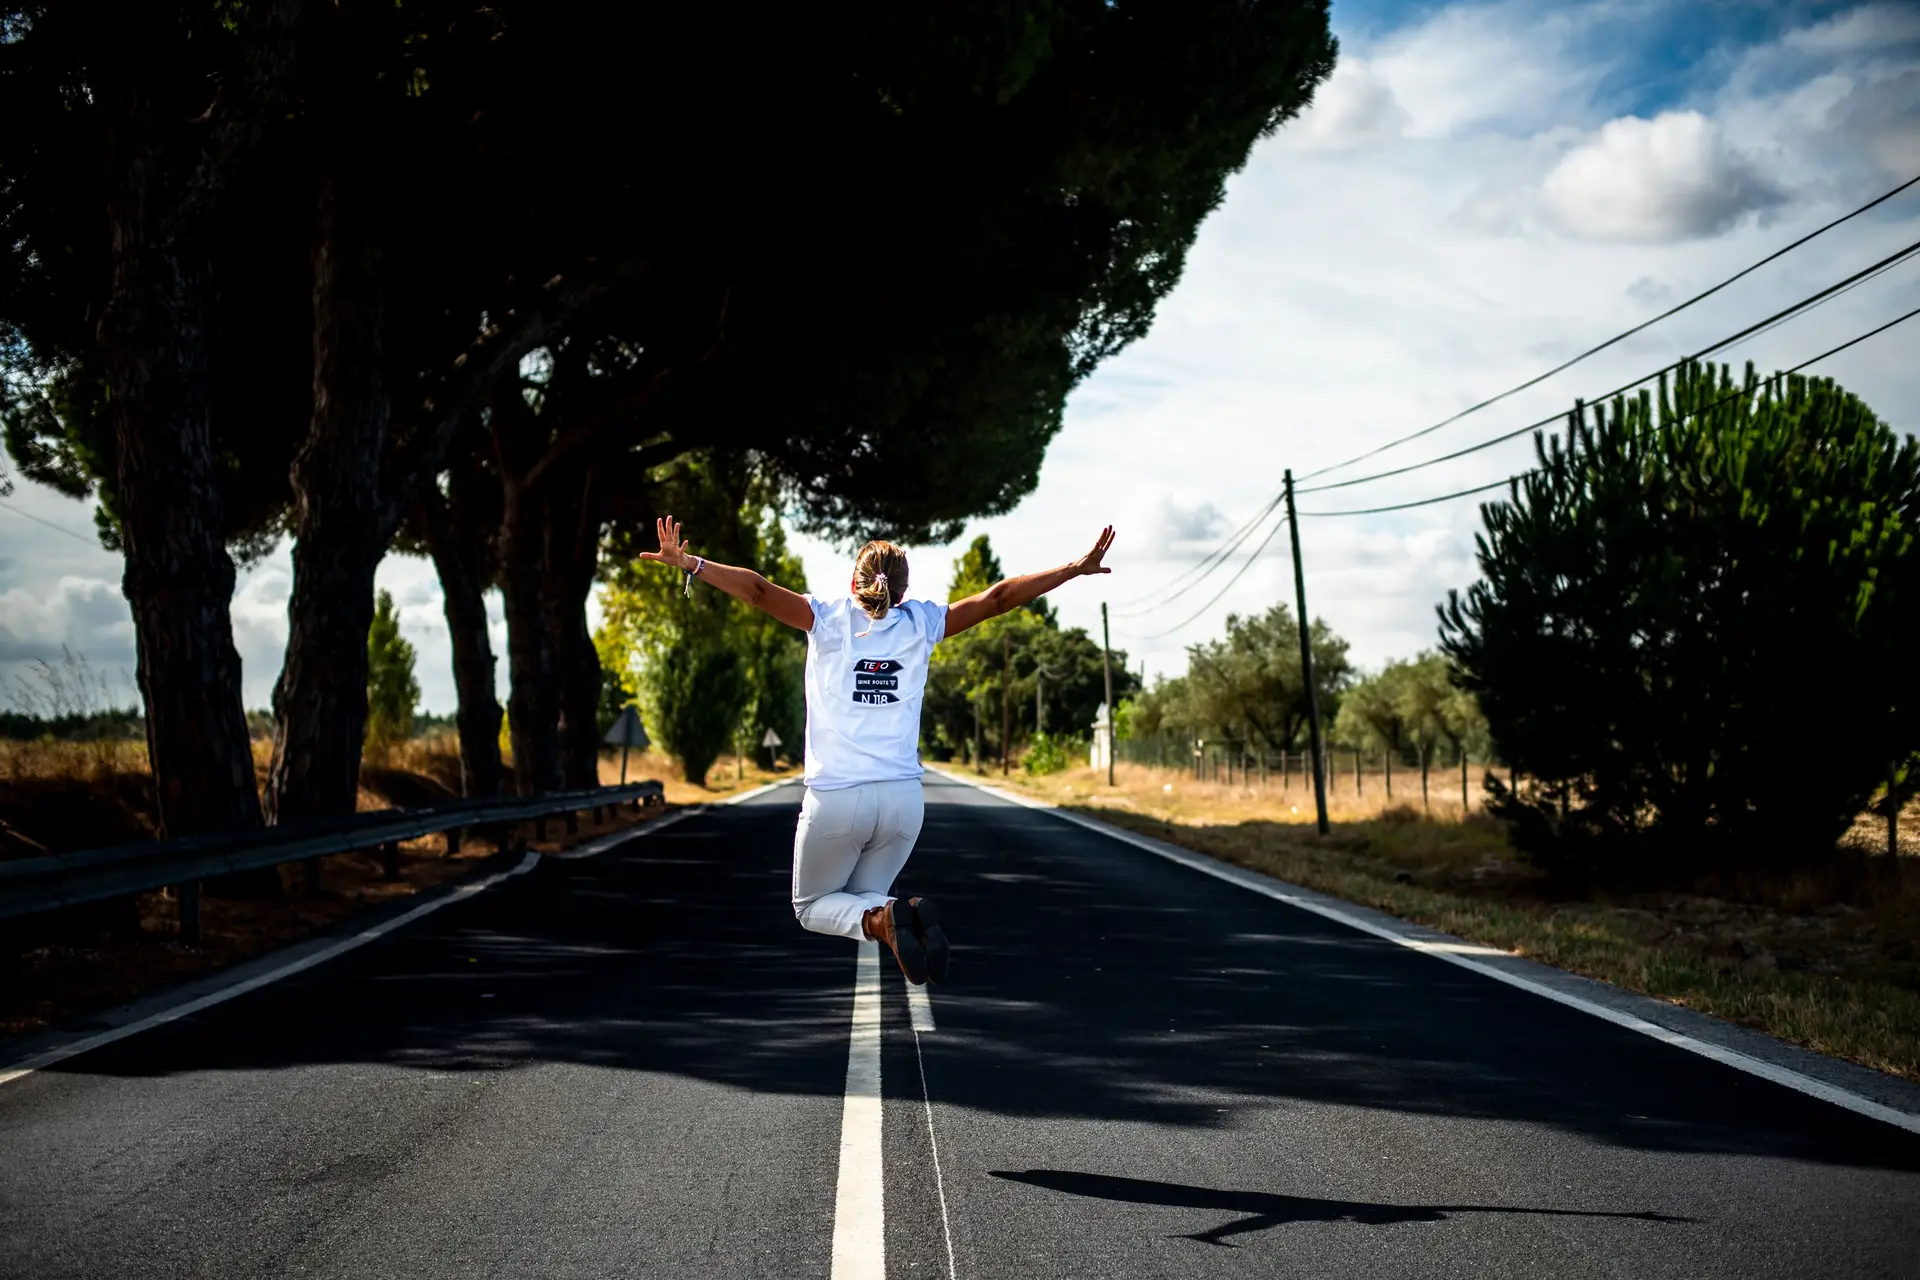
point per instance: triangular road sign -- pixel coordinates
(627, 731)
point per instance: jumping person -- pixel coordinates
(867, 659)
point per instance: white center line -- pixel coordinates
(860, 1205)
(933, 1143)
(919, 1008)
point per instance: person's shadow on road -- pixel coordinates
(1268, 1209)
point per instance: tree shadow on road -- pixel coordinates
(1092, 981)
(1266, 1209)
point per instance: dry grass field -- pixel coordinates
(1827, 956)
(58, 796)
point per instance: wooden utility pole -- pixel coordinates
(1306, 665)
(1106, 667)
(979, 765)
(1006, 698)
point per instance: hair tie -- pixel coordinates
(880, 579)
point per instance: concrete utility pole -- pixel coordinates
(1306, 665)
(1106, 664)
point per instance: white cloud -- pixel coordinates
(1354, 108)
(87, 615)
(1868, 29)
(1669, 178)
(1199, 522)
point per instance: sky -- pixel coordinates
(1479, 192)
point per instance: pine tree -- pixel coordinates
(1656, 600)
(392, 691)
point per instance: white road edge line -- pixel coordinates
(919, 1009)
(600, 844)
(73, 1048)
(1462, 955)
(859, 1202)
(933, 1143)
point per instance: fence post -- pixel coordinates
(310, 875)
(390, 860)
(453, 841)
(573, 821)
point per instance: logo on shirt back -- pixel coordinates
(875, 680)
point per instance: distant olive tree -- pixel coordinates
(1665, 604)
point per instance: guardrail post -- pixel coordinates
(453, 840)
(599, 814)
(390, 860)
(187, 893)
(573, 822)
(310, 874)
(540, 827)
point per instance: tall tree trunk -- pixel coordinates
(178, 578)
(458, 545)
(576, 547)
(320, 699)
(533, 704)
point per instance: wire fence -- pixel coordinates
(1388, 775)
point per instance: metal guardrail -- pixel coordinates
(29, 886)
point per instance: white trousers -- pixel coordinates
(850, 845)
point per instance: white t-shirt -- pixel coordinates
(864, 691)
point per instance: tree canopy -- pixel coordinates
(275, 267)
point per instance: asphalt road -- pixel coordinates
(635, 1065)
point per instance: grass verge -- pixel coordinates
(1824, 957)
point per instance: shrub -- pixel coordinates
(1660, 602)
(1047, 754)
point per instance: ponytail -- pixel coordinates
(879, 578)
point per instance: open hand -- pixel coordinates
(672, 551)
(1090, 562)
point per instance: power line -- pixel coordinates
(1805, 304)
(1238, 574)
(49, 524)
(1726, 399)
(1617, 338)
(1199, 572)
(1424, 502)
(1505, 480)
(1213, 561)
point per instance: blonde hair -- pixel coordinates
(879, 578)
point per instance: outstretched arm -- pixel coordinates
(1010, 593)
(742, 584)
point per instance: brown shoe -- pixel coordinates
(892, 927)
(926, 926)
